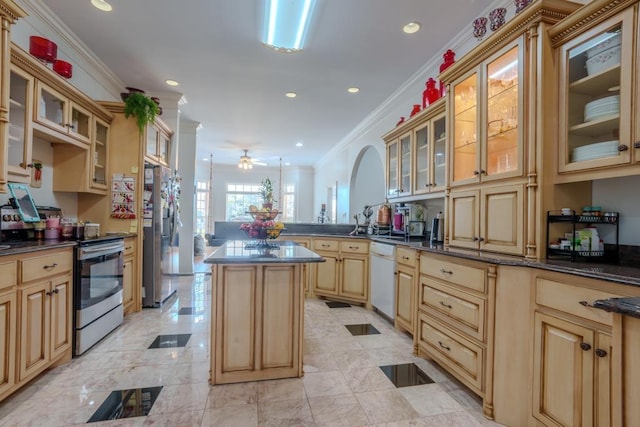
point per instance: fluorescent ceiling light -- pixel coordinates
(172, 82)
(353, 90)
(286, 23)
(411, 27)
(102, 5)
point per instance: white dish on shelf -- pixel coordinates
(595, 151)
(603, 60)
(613, 40)
(597, 108)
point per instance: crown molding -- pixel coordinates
(100, 72)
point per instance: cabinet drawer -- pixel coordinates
(567, 298)
(469, 277)
(8, 273)
(406, 256)
(354, 247)
(129, 247)
(325, 245)
(46, 265)
(462, 357)
(467, 312)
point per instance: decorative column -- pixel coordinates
(187, 169)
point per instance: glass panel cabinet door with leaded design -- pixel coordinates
(595, 77)
(487, 138)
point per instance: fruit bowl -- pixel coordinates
(263, 215)
(261, 233)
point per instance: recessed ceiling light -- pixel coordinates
(287, 164)
(353, 90)
(290, 94)
(299, 144)
(206, 159)
(102, 5)
(172, 82)
(411, 27)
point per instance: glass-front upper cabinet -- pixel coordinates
(152, 142)
(596, 96)
(56, 112)
(429, 155)
(399, 166)
(405, 165)
(20, 137)
(100, 155)
(487, 137)
(164, 148)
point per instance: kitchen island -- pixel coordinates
(257, 311)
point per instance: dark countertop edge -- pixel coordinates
(258, 260)
(589, 270)
(627, 306)
(22, 248)
(303, 258)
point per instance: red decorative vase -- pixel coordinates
(416, 110)
(400, 121)
(431, 93)
(448, 59)
(63, 68)
(43, 49)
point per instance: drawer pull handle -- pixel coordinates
(443, 271)
(585, 346)
(442, 303)
(406, 257)
(47, 267)
(127, 247)
(444, 346)
(600, 352)
(325, 246)
(586, 304)
(354, 247)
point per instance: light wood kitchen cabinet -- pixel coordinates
(597, 74)
(20, 136)
(406, 289)
(57, 112)
(99, 158)
(416, 154)
(490, 219)
(129, 294)
(485, 119)
(455, 321)
(8, 320)
(46, 311)
(572, 355)
(345, 272)
(306, 269)
(158, 144)
(10, 12)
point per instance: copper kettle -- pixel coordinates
(384, 215)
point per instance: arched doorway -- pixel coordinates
(367, 185)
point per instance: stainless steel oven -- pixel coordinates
(97, 291)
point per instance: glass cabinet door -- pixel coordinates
(500, 155)
(439, 149)
(405, 165)
(50, 108)
(392, 169)
(100, 142)
(80, 126)
(152, 142)
(597, 90)
(423, 172)
(465, 116)
(19, 142)
(165, 148)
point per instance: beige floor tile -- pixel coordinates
(338, 411)
(367, 379)
(285, 413)
(430, 399)
(275, 390)
(385, 406)
(232, 395)
(231, 416)
(175, 419)
(328, 383)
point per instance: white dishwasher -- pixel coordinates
(382, 266)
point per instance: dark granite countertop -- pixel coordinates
(12, 248)
(246, 252)
(628, 306)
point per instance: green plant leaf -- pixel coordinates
(142, 108)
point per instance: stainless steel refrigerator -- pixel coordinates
(160, 250)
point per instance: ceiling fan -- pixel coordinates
(247, 162)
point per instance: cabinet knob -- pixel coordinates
(600, 352)
(444, 346)
(442, 303)
(623, 147)
(475, 239)
(483, 172)
(636, 144)
(476, 172)
(406, 257)
(585, 346)
(481, 239)
(70, 126)
(55, 291)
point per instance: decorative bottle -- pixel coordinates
(416, 110)
(430, 94)
(448, 59)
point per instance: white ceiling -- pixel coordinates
(235, 86)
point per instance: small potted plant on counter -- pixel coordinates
(266, 191)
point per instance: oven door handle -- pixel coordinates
(114, 248)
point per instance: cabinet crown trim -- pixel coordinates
(11, 11)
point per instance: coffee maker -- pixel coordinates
(437, 228)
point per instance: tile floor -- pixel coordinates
(343, 383)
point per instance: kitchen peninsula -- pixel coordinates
(257, 311)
